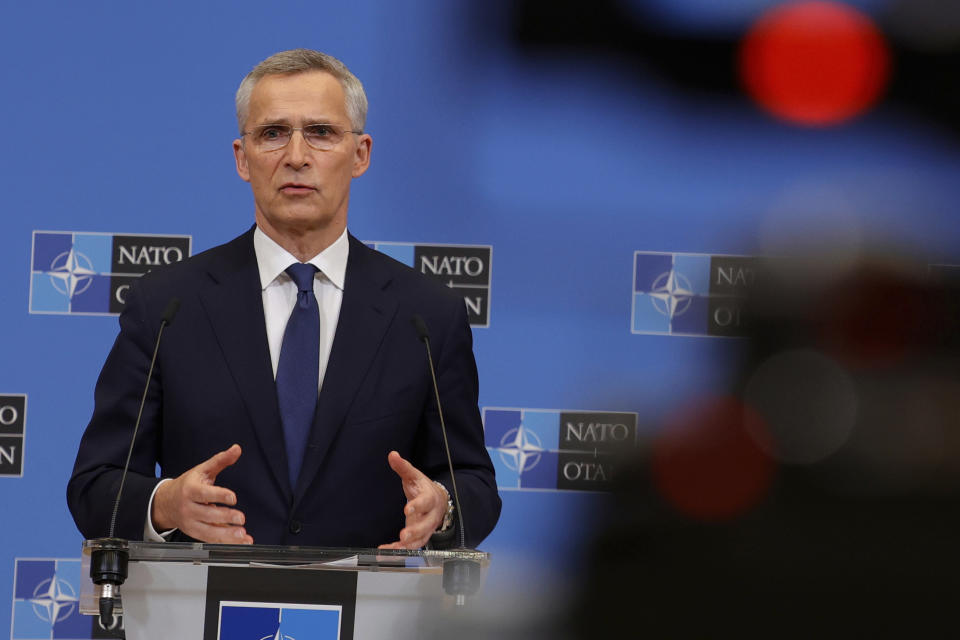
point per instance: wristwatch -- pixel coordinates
(448, 516)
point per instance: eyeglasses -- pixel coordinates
(321, 136)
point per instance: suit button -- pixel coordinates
(295, 526)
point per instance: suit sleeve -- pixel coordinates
(457, 379)
(93, 486)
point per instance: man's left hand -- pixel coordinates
(426, 505)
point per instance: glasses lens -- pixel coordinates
(272, 136)
(322, 136)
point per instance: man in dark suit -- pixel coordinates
(245, 452)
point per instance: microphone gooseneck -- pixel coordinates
(424, 336)
(461, 577)
(108, 562)
(166, 319)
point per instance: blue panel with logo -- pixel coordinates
(46, 601)
(78, 273)
(543, 450)
(679, 300)
(286, 621)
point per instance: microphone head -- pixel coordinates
(421, 328)
(172, 307)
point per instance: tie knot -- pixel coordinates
(302, 274)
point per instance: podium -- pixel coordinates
(216, 591)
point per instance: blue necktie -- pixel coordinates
(298, 373)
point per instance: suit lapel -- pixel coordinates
(233, 302)
(366, 312)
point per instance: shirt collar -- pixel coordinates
(272, 259)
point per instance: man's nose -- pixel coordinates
(297, 150)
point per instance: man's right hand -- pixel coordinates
(191, 503)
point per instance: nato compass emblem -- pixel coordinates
(71, 273)
(53, 600)
(520, 449)
(46, 602)
(523, 446)
(671, 294)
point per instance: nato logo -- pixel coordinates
(690, 294)
(278, 621)
(13, 421)
(46, 595)
(81, 273)
(550, 450)
(463, 268)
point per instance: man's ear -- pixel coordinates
(361, 158)
(240, 155)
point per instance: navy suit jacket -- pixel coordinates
(213, 386)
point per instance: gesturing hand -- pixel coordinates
(191, 502)
(426, 505)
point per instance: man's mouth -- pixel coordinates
(296, 187)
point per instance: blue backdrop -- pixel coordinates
(119, 118)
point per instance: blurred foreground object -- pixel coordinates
(815, 63)
(834, 499)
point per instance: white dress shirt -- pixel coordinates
(279, 296)
(280, 292)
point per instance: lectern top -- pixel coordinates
(205, 553)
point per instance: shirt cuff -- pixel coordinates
(149, 533)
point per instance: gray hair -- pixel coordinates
(299, 61)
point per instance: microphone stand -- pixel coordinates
(461, 577)
(108, 563)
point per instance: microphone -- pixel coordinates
(424, 336)
(460, 577)
(422, 331)
(108, 563)
(167, 318)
